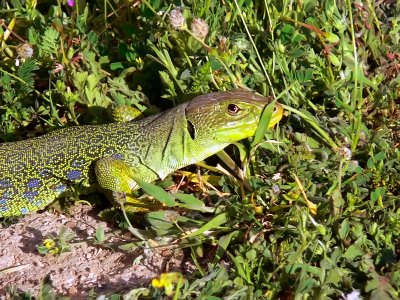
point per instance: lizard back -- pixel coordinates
(34, 172)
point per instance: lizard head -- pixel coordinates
(227, 117)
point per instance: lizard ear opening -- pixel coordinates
(190, 129)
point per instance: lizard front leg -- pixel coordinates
(115, 178)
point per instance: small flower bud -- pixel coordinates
(58, 68)
(345, 153)
(276, 189)
(176, 18)
(222, 40)
(277, 176)
(199, 28)
(25, 51)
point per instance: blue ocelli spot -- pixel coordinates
(74, 175)
(60, 188)
(24, 210)
(6, 195)
(33, 183)
(31, 195)
(118, 156)
(4, 208)
(3, 201)
(4, 183)
(77, 163)
(46, 173)
(38, 203)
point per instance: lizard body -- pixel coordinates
(35, 172)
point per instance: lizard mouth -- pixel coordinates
(235, 131)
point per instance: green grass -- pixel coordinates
(333, 64)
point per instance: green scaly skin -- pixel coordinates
(35, 172)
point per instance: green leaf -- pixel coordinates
(262, 127)
(242, 151)
(162, 221)
(17, 4)
(337, 199)
(334, 60)
(42, 250)
(156, 192)
(334, 276)
(127, 246)
(91, 81)
(251, 255)
(80, 79)
(331, 38)
(378, 193)
(223, 244)
(376, 158)
(380, 156)
(239, 263)
(213, 223)
(191, 202)
(370, 163)
(215, 64)
(353, 252)
(309, 141)
(298, 37)
(380, 288)
(166, 78)
(344, 229)
(26, 74)
(286, 34)
(100, 237)
(50, 44)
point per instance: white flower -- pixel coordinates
(276, 189)
(25, 51)
(354, 295)
(277, 176)
(59, 67)
(199, 28)
(176, 18)
(345, 153)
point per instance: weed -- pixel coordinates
(328, 225)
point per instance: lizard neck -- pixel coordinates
(170, 145)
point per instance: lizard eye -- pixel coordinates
(233, 109)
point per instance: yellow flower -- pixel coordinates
(49, 243)
(54, 251)
(167, 281)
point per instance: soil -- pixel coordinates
(87, 267)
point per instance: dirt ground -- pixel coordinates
(87, 266)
